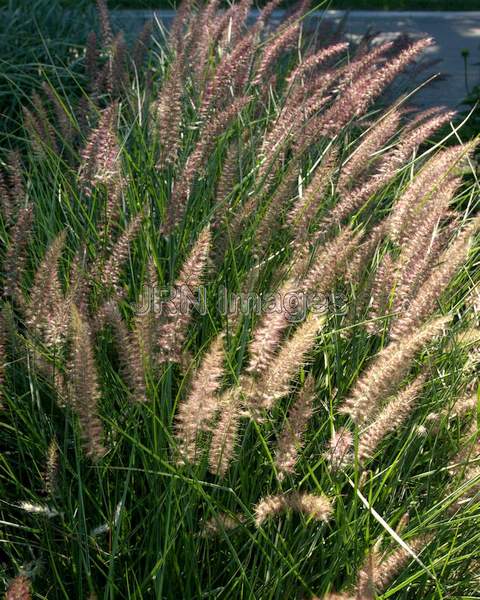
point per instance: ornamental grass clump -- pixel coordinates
(157, 443)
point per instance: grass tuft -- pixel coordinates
(239, 321)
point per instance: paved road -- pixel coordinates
(452, 32)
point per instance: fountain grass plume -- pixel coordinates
(315, 60)
(382, 286)
(276, 380)
(109, 273)
(303, 212)
(100, 157)
(182, 188)
(365, 89)
(168, 112)
(285, 40)
(421, 251)
(390, 418)
(269, 332)
(315, 506)
(106, 27)
(425, 301)
(16, 256)
(198, 411)
(437, 170)
(386, 371)
(225, 433)
(291, 438)
(19, 589)
(176, 315)
(47, 309)
(374, 141)
(84, 385)
(128, 348)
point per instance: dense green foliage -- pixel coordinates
(133, 522)
(38, 43)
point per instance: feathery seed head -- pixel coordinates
(177, 313)
(128, 348)
(168, 109)
(382, 286)
(100, 158)
(84, 385)
(268, 507)
(199, 410)
(316, 506)
(19, 589)
(268, 334)
(51, 470)
(276, 46)
(105, 25)
(389, 566)
(340, 449)
(225, 434)
(220, 523)
(16, 255)
(286, 364)
(372, 143)
(330, 262)
(215, 127)
(387, 370)
(91, 59)
(48, 309)
(305, 208)
(434, 173)
(291, 440)
(315, 60)
(425, 301)
(367, 87)
(389, 419)
(109, 274)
